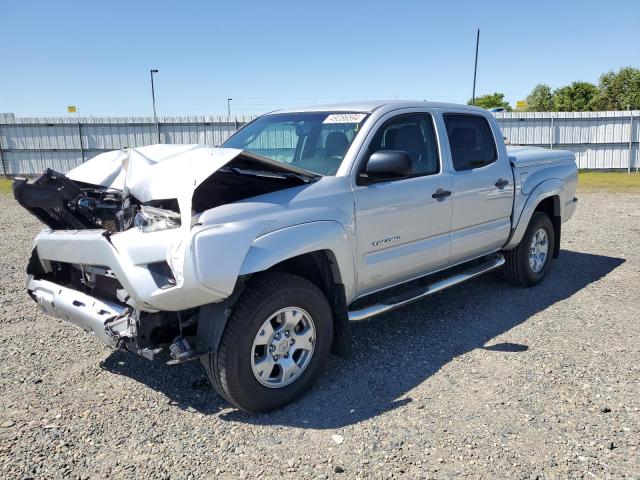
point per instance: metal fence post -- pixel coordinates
(631, 143)
(551, 134)
(4, 168)
(40, 153)
(80, 138)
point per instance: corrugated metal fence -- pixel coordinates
(601, 140)
(30, 145)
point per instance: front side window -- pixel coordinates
(412, 133)
(471, 141)
(313, 141)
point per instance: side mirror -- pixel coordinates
(388, 165)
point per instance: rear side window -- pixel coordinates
(471, 141)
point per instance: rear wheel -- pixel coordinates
(529, 262)
(274, 345)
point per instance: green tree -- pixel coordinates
(493, 100)
(577, 97)
(619, 91)
(540, 99)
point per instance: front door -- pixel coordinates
(402, 228)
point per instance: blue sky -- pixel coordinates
(270, 54)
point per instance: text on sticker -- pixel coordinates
(345, 118)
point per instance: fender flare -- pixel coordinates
(274, 247)
(552, 187)
(283, 244)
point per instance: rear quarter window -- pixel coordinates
(471, 141)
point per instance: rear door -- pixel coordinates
(482, 185)
(402, 229)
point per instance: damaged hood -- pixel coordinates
(161, 172)
(164, 171)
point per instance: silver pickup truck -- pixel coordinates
(254, 257)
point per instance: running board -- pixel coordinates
(363, 314)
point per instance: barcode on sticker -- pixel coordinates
(345, 118)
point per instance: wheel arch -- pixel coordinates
(547, 197)
(550, 206)
(319, 252)
(320, 268)
(328, 237)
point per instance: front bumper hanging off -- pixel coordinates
(108, 321)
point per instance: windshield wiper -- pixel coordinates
(286, 168)
(267, 174)
(257, 173)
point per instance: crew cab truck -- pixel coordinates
(255, 256)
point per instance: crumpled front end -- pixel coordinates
(124, 256)
(123, 289)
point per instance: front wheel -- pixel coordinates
(529, 262)
(274, 345)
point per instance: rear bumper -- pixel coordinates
(97, 317)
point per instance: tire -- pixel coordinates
(231, 368)
(518, 268)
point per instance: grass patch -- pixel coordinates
(5, 185)
(619, 181)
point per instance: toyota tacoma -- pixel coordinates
(255, 256)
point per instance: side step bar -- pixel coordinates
(399, 301)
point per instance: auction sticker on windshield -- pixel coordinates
(345, 118)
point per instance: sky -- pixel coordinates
(273, 54)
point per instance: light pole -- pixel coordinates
(229, 106)
(475, 70)
(153, 97)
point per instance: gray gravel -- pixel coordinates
(482, 381)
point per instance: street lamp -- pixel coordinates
(153, 97)
(229, 106)
(475, 70)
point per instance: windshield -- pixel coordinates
(313, 141)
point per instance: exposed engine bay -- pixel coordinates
(126, 197)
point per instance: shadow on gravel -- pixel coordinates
(506, 347)
(392, 354)
(186, 385)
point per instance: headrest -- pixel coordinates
(336, 144)
(463, 138)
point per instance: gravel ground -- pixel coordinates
(483, 381)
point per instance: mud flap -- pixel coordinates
(341, 327)
(212, 319)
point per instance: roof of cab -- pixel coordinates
(368, 106)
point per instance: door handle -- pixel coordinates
(441, 194)
(501, 183)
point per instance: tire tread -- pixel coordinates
(516, 269)
(259, 287)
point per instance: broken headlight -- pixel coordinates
(152, 219)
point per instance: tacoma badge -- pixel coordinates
(384, 241)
